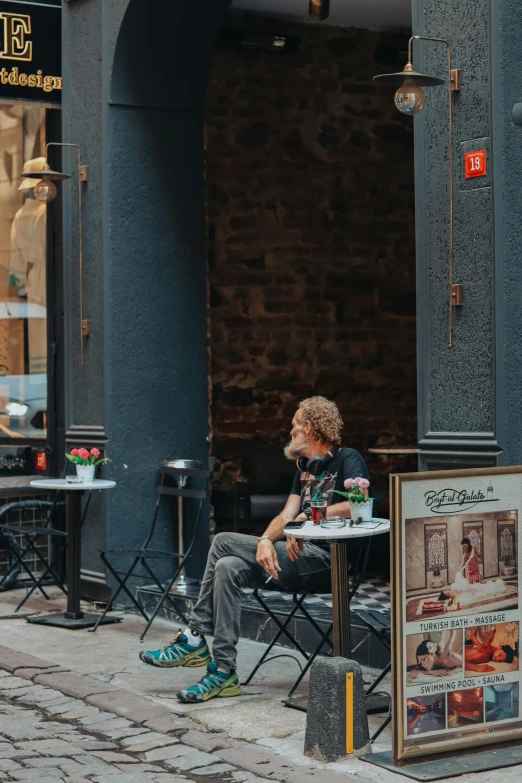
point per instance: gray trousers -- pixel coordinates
(231, 565)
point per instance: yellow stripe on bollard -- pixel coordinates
(349, 713)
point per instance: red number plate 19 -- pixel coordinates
(475, 164)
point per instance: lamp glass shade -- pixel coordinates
(45, 191)
(410, 98)
(319, 10)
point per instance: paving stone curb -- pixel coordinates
(30, 673)
(10, 660)
(71, 683)
(136, 727)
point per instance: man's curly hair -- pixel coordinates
(324, 417)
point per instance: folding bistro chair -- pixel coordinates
(360, 553)
(29, 535)
(297, 600)
(140, 567)
(378, 624)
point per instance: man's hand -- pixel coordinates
(267, 558)
(294, 548)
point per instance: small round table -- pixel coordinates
(339, 539)
(73, 618)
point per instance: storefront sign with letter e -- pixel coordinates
(30, 52)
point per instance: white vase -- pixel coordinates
(85, 473)
(361, 512)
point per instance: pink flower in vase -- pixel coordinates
(75, 452)
(356, 482)
(95, 452)
(84, 454)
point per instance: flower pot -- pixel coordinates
(361, 512)
(85, 473)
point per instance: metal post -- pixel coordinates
(340, 599)
(181, 581)
(74, 533)
(182, 465)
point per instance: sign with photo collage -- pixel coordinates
(456, 609)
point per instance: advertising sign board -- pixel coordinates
(456, 609)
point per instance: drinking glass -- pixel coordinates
(319, 507)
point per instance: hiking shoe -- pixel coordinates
(178, 653)
(213, 684)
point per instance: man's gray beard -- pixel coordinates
(295, 448)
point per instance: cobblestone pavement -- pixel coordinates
(60, 724)
(46, 736)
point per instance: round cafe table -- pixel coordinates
(339, 539)
(73, 618)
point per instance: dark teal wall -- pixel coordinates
(458, 417)
(82, 124)
(470, 395)
(506, 26)
(134, 101)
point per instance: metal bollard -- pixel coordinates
(336, 721)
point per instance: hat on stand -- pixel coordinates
(35, 164)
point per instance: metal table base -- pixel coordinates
(73, 618)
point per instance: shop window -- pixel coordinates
(23, 275)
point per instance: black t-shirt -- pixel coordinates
(346, 464)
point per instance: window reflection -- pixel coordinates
(23, 314)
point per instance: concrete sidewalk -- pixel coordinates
(254, 734)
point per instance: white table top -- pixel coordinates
(50, 483)
(317, 533)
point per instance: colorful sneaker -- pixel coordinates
(213, 684)
(178, 653)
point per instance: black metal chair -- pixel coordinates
(378, 623)
(283, 629)
(140, 567)
(29, 534)
(358, 564)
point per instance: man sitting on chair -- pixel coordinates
(236, 560)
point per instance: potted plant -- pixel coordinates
(86, 462)
(361, 506)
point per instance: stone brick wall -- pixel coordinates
(311, 251)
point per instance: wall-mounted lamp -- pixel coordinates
(45, 191)
(410, 99)
(319, 10)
